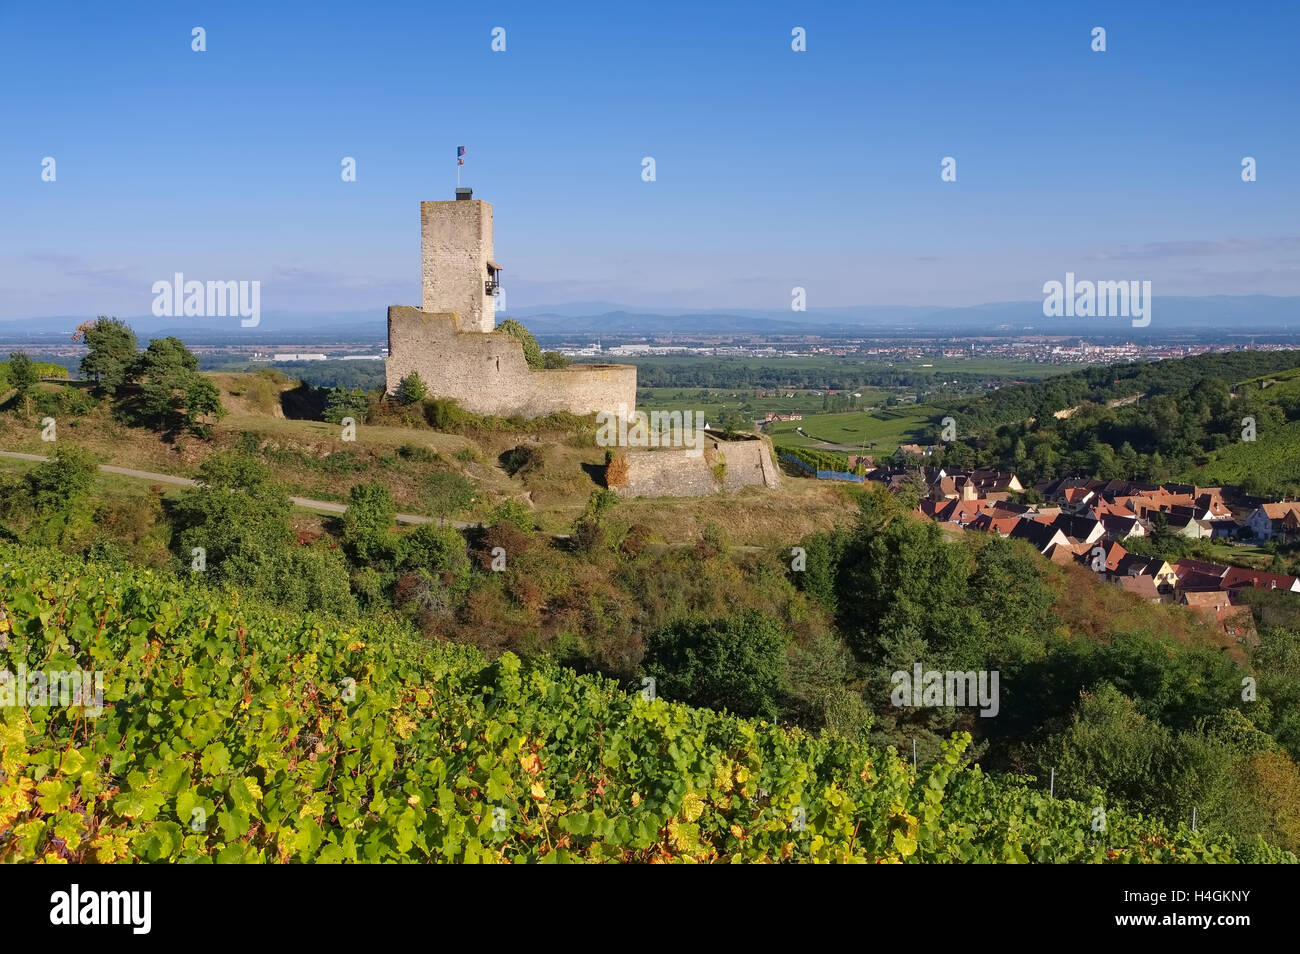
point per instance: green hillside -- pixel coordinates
(1272, 460)
(231, 733)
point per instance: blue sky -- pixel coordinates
(774, 168)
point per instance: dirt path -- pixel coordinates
(306, 503)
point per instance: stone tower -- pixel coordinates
(452, 343)
(458, 274)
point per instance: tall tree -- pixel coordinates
(112, 352)
(23, 377)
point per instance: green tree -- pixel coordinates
(112, 352)
(1110, 746)
(368, 524)
(903, 589)
(411, 389)
(52, 496)
(22, 372)
(22, 377)
(820, 562)
(553, 359)
(345, 402)
(308, 577)
(238, 516)
(912, 490)
(435, 548)
(171, 393)
(739, 664)
(202, 399)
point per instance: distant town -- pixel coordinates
(214, 350)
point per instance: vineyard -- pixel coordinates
(816, 459)
(232, 733)
(1271, 459)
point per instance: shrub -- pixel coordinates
(411, 389)
(445, 414)
(447, 494)
(553, 359)
(523, 459)
(719, 470)
(66, 402)
(22, 373)
(737, 664)
(532, 353)
(615, 469)
(62, 482)
(440, 551)
(515, 542)
(418, 453)
(314, 577)
(238, 515)
(715, 535)
(513, 512)
(589, 536)
(600, 503)
(368, 523)
(635, 540)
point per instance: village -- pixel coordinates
(1086, 522)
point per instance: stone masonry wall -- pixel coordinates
(456, 245)
(487, 373)
(749, 463)
(670, 472)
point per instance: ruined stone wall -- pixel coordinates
(670, 472)
(667, 473)
(749, 463)
(456, 245)
(487, 373)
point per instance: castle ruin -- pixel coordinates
(451, 341)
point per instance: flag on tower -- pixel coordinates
(460, 155)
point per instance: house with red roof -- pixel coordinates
(1237, 577)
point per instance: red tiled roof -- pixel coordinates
(1143, 586)
(1239, 576)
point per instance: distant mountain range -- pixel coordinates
(1172, 316)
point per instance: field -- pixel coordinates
(878, 433)
(712, 402)
(845, 366)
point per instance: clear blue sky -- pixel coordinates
(774, 168)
